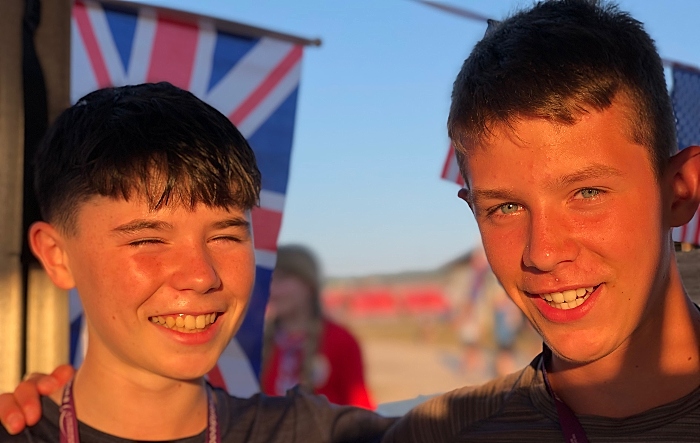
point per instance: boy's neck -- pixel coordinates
(138, 408)
(659, 365)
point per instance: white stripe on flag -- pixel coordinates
(271, 102)
(83, 80)
(237, 371)
(103, 35)
(228, 94)
(202, 66)
(265, 259)
(142, 46)
(274, 201)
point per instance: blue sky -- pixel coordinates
(370, 140)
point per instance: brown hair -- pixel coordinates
(153, 141)
(558, 60)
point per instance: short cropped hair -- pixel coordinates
(151, 141)
(559, 60)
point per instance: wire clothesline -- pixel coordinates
(471, 15)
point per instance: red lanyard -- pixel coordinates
(68, 423)
(571, 428)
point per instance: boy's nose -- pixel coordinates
(197, 270)
(549, 243)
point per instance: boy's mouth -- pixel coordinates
(184, 322)
(568, 299)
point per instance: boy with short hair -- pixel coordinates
(565, 136)
(146, 191)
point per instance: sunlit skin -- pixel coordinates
(130, 264)
(561, 207)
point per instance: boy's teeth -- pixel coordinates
(185, 323)
(567, 299)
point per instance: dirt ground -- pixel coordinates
(405, 360)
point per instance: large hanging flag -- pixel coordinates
(686, 105)
(249, 74)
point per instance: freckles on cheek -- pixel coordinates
(144, 269)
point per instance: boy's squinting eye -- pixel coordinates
(226, 238)
(145, 241)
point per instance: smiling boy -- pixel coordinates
(565, 135)
(146, 192)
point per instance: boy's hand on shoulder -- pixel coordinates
(23, 407)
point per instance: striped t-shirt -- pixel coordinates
(517, 408)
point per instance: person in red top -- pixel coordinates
(302, 347)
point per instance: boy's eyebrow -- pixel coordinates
(141, 224)
(595, 171)
(233, 222)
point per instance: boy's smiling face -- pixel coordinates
(163, 291)
(572, 221)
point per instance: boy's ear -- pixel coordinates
(48, 246)
(684, 173)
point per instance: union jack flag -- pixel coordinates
(250, 75)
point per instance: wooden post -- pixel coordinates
(48, 326)
(11, 166)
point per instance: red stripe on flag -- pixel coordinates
(266, 228)
(276, 75)
(174, 48)
(448, 160)
(450, 170)
(99, 67)
(216, 379)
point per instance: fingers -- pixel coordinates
(27, 398)
(48, 384)
(23, 407)
(11, 415)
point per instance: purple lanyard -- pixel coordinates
(68, 423)
(571, 428)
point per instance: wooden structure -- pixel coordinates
(37, 340)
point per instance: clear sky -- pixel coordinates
(370, 140)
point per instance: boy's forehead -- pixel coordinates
(140, 205)
(553, 139)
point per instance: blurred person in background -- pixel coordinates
(302, 346)
(488, 322)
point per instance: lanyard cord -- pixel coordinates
(68, 422)
(571, 428)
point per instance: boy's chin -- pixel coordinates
(187, 369)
